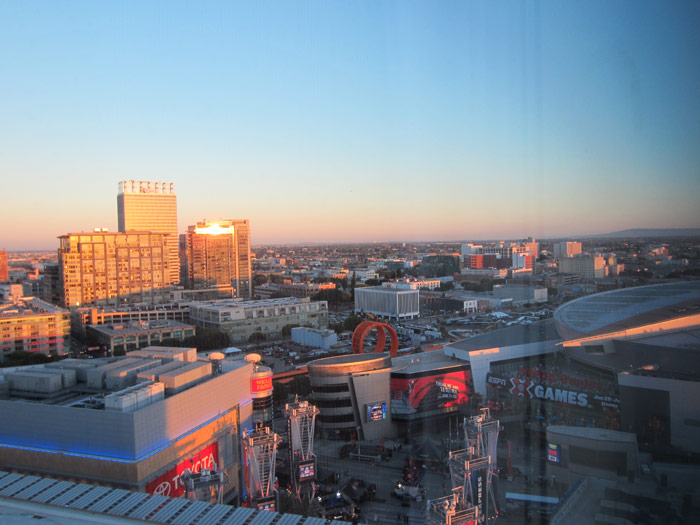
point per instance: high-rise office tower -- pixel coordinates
(112, 268)
(3, 266)
(218, 254)
(152, 207)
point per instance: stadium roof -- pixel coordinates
(627, 307)
(513, 335)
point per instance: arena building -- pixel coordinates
(373, 395)
(648, 339)
(134, 422)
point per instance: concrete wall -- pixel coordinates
(368, 388)
(684, 407)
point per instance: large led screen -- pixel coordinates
(441, 392)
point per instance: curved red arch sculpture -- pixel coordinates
(365, 327)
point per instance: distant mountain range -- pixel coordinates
(649, 232)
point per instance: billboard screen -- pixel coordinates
(168, 484)
(306, 471)
(376, 412)
(433, 392)
(553, 453)
(266, 504)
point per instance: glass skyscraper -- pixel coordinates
(218, 254)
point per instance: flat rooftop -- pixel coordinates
(28, 306)
(385, 289)
(226, 304)
(424, 362)
(628, 307)
(138, 327)
(511, 336)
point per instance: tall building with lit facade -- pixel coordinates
(152, 207)
(103, 268)
(3, 266)
(565, 249)
(218, 254)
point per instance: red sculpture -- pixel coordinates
(358, 337)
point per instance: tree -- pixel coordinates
(351, 322)
(287, 329)
(333, 297)
(353, 283)
(21, 358)
(256, 337)
(446, 286)
(259, 279)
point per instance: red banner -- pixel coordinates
(260, 384)
(168, 484)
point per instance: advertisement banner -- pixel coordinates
(168, 484)
(529, 384)
(260, 384)
(440, 391)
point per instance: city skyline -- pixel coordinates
(332, 123)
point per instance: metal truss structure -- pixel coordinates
(260, 453)
(472, 469)
(451, 510)
(301, 420)
(205, 485)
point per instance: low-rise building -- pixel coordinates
(126, 337)
(33, 325)
(303, 289)
(520, 294)
(313, 337)
(386, 302)
(240, 319)
(83, 317)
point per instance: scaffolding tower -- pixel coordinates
(472, 469)
(260, 453)
(204, 485)
(451, 510)
(301, 418)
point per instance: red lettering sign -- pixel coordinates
(168, 484)
(260, 384)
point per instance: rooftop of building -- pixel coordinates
(140, 327)
(28, 306)
(68, 382)
(626, 308)
(227, 304)
(385, 289)
(423, 362)
(349, 358)
(511, 336)
(27, 499)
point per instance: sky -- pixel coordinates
(352, 121)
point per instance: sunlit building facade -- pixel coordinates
(3, 266)
(218, 254)
(103, 268)
(152, 207)
(33, 325)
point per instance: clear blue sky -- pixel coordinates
(351, 121)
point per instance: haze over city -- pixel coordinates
(335, 122)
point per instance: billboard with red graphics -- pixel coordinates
(168, 484)
(430, 393)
